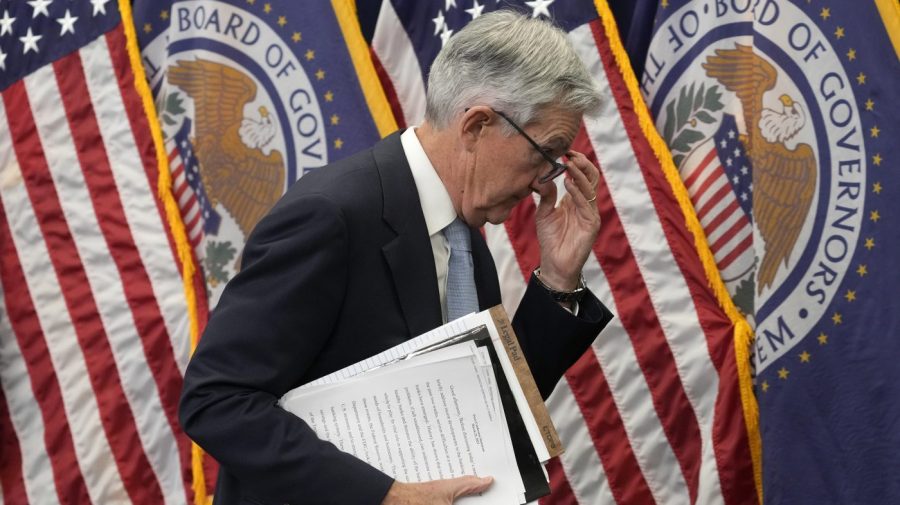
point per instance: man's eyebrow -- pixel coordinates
(553, 142)
(557, 143)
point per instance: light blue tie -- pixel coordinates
(461, 295)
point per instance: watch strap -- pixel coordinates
(562, 296)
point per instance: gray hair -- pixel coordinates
(512, 63)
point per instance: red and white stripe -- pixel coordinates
(652, 414)
(93, 321)
(727, 228)
(188, 205)
(398, 67)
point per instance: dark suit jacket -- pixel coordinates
(339, 270)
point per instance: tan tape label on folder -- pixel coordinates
(526, 380)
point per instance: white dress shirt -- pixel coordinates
(436, 206)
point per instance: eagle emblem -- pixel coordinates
(784, 180)
(234, 170)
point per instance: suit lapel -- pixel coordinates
(408, 255)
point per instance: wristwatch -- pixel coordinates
(562, 296)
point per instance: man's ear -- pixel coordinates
(471, 125)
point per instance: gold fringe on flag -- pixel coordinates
(743, 334)
(379, 108)
(173, 216)
(889, 10)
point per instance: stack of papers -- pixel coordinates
(446, 404)
(434, 416)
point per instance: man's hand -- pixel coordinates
(438, 492)
(567, 232)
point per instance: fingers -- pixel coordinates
(547, 201)
(584, 174)
(469, 485)
(444, 491)
(581, 184)
(585, 165)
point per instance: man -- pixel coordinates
(375, 249)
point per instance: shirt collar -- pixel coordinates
(436, 204)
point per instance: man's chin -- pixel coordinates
(498, 216)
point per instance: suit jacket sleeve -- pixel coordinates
(271, 323)
(551, 337)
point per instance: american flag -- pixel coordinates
(653, 412)
(94, 316)
(196, 210)
(719, 178)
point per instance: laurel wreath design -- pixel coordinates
(218, 254)
(171, 106)
(683, 114)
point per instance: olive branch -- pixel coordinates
(217, 255)
(169, 106)
(683, 114)
(743, 295)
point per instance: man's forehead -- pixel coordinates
(557, 131)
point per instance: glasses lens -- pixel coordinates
(556, 168)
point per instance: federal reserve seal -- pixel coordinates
(243, 101)
(763, 124)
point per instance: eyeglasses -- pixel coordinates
(556, 167)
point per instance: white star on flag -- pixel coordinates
(476, 9)
(40, 7)
(539, 7)
(67, 23)
(30, 41)
(449, 4)
(2, 60)
(438, 22)
(445, 35)
(6, 23)
(99, 6)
